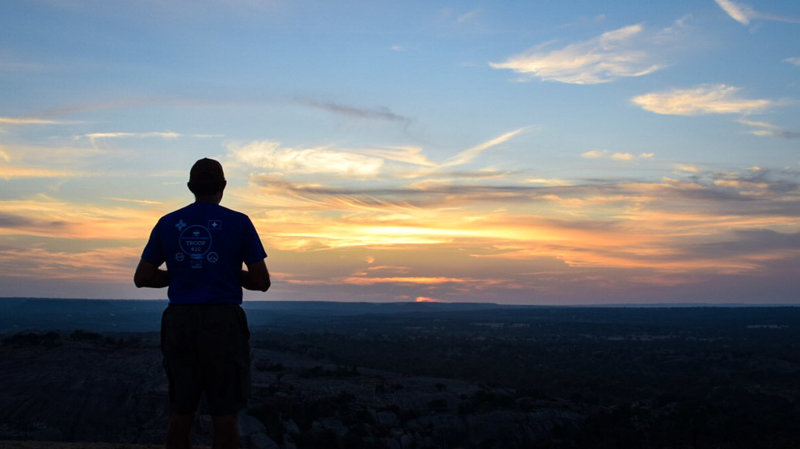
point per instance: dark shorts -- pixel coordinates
(206, 348)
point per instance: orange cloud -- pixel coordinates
(624, 226)
(109, 264)
(44, 216)
(420, 280)
(427, 299)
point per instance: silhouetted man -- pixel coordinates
(204, 335)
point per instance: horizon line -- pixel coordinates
(427, 303)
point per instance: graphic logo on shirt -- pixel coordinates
(180, 225)
(215, 225)
(195, 241)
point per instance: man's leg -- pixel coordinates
(177, 336)
(180, 426)
(226, 432)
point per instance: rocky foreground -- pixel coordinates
(85, 387)
(81, 445)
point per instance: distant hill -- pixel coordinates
(101, 315)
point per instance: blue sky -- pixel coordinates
(524, 152)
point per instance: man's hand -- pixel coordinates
(256, 277)
(148, 275)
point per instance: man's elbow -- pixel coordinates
(264, 285)
(138, 281)
(256, 277)
(145, 274)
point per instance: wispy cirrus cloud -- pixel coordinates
(93, 137)
(409, 155)
(17, 65)
(706, 99)
(686, 168)
(744, 14)
(766, 129)
(738, 12)
(379, 113)
(19, 172)
(135, 201)
(418, 195)
(608, 57)
(548, 181)
(621, 157)
(27, 121)
(45, 216)
(357, 163)
(794, 60)
(467, 16)
(424, 280)
(12, 168)
(471, 153)
(9, 122)
(48, 161)
(272, 156)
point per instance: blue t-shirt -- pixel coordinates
(204, 245)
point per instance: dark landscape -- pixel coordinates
(421, 375)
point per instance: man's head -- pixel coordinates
(206, 178)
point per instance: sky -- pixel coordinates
(517, 152)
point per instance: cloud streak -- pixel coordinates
(608, 57)
(44, 216)
(24, 121)
(381, 113)
(744, 14)
(706, 99)
(271, 156)
(94, 137)
(765, 129)
(354, 280)
(18, 172)
(471, 153)
(408, 155)
(620, 157)
(354, 163)
(738, 12)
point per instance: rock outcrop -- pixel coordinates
(84, 387)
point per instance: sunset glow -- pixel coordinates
(575, 154)
(426, 299)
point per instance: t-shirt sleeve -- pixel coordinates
(253, 250)
(153, 252)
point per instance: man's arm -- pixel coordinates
(256, 277)
(148, 275)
